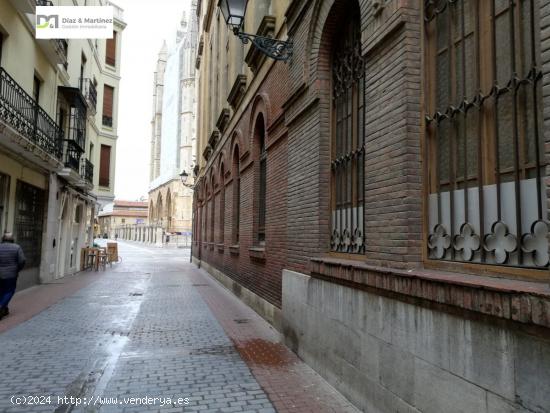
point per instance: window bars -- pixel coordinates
(484, 138)
(262, 194)
(348, 153)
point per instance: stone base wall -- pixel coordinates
(265, 309)
(388, 355)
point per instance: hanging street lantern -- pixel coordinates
(233, 12)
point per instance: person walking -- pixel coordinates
(12, 260)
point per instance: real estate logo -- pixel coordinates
(74, 22)
(43, 21)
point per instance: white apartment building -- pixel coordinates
(58, 132)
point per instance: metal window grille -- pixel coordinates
(262, 191)
(28, 221)
(236, 197)
(348, 153)
(222, 207)
(212, 206)
(487, 196)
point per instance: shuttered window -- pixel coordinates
(110, 55)
(108, 94)
(105, 165)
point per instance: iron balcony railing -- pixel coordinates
(72, 156)
(89, 92)
(19, 110)
(87, 171)
(108, 121)
(44, 3)
(62, 49)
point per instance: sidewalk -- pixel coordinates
(292, 386)
(27, 303)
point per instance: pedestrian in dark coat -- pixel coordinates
(12, 260)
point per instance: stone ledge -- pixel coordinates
(234, 249)
(221, 247)
(257, 253)
(223, 120)
(237, 92)
(522, 301)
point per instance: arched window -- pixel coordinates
(261, 157)
(236, 222)
(213, 209)
(169, 211)
(348, 142)
(205, 214)
(484, 140)
(159, 209)
(222, 206)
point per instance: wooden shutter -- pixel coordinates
(110, 56)
(105, 165)
(108, 101)
(108, 92)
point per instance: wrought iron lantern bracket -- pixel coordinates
(273, 48)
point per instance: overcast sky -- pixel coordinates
(149, 23)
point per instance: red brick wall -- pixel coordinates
(260, 275)
(295, 101)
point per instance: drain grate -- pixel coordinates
(199, 285)
(241, 320)
(136, 294)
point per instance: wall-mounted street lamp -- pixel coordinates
(183, 176)
(233, 13)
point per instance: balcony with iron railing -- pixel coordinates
(22, 113)
(72, 156)
(44, 3)
(89, 92)
(87, 171)
(62, 49)
(108, 121)
(75, 103)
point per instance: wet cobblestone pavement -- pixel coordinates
(154, 326)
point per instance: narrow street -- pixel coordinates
(150, 327)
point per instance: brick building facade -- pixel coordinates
(405, 248)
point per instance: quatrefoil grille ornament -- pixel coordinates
(358, 241)
(439, 241)
(346, 240)
(335, 240)
(536, 243)
(467, 241)
(500, 242)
